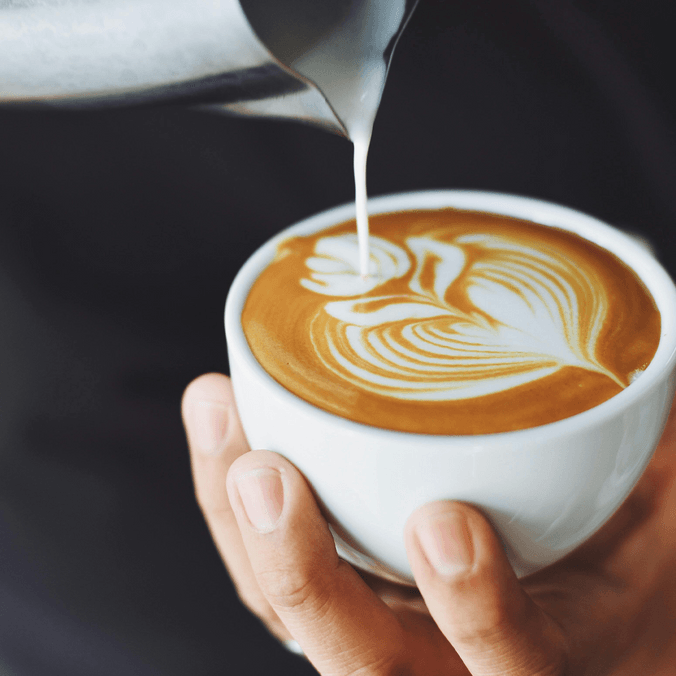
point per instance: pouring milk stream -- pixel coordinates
(320, 61)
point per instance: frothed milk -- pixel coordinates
(467, 323)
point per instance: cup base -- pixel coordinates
(368, 564)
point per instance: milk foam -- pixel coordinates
(336, 267)
(522, 321)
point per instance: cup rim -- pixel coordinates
(631, 252)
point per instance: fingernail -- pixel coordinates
(262, 495)
(209, 427)
(446, 542)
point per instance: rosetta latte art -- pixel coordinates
(482, 314)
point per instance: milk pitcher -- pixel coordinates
(320, 61)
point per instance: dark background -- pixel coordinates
(120, 232)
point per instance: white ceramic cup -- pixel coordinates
(545, 489)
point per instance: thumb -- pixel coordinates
(475, 598)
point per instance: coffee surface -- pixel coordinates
(468, 323)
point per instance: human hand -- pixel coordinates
(607, 608)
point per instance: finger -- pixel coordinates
(474, 596)
(343, 627)
(216, 439)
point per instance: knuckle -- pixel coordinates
(291, 590)
(492, 626)
(494, 618)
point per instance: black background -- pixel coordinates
(121, 230)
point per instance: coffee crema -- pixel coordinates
(468, 323)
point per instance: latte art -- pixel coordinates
(524, 322)
(460, 312)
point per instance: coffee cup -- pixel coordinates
(546, 489)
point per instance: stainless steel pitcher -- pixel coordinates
(313, 60)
